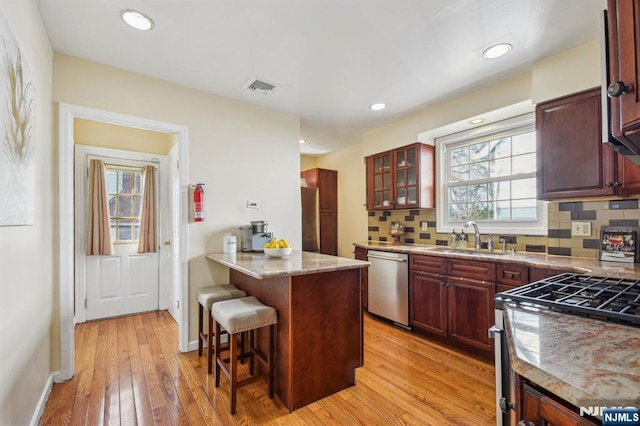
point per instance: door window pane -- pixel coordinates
(125, 186)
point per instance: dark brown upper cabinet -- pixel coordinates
(402, 178)
(572, 162)
(624, 71)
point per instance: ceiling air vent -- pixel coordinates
(256, 85)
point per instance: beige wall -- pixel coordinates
(568, 72)
(240, 151)
(546, 79)
(352, 214)
(26, 256)
(106, 135)
(307, 162)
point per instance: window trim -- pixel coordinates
(480, 134)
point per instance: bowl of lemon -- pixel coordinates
(277, 248)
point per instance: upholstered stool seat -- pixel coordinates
(237, 316)
(207, 296)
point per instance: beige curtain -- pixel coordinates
(147, 242)
(98, 231)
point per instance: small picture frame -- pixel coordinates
(619, 244)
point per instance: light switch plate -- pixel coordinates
(580, 229)
(253, 204)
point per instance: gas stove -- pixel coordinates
(613, 299)
(602, 298)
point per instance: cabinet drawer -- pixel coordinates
(435, 264)
(512, 275)
(484, 271)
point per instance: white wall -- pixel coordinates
(240, 151)
(26, 259)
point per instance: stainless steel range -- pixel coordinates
(605, 298)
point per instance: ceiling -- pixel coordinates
(330, 59)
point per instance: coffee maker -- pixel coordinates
(253, 237)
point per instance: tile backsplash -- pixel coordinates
(420, 227)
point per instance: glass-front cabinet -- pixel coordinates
(381, 170)
(402, 178)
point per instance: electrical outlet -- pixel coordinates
(424, 226)
(580, 229)
(253, 204)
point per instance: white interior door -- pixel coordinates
(123, 283)
(173, 247)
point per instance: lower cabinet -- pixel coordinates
(450, 298)
(471, 311)
(537, 408)
(428, 302)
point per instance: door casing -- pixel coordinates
(66, 114)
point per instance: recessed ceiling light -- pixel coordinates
(477, 121)
(136, 20)
(303, 141)
(496, 51)
(378, 106)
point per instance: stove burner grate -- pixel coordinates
(616, 299)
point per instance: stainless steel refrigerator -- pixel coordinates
(310, 219)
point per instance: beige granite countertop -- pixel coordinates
(576, 358)
(261, 266)
(536, 260)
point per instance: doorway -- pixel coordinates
(124, 282)
(67, 114)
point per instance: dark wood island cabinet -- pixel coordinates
(319, 335)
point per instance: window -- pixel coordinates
(488, 175)
(125, 185)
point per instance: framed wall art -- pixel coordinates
(619, 244)
(17, 151)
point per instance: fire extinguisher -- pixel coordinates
(198, 203)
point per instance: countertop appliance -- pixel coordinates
(604, 298)
(388, 295)
(253, 237)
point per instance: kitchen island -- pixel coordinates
(319, 336)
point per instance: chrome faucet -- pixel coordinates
(477, 232)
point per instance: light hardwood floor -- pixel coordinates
(130, 372)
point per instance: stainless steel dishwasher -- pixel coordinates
(389, 286)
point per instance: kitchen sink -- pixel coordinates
(447, 249)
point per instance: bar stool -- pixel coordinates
(237, 316)
(207, 296)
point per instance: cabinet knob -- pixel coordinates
(523, 423)
(618, 88)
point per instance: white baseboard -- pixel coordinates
(42, 401)
(193, 344)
